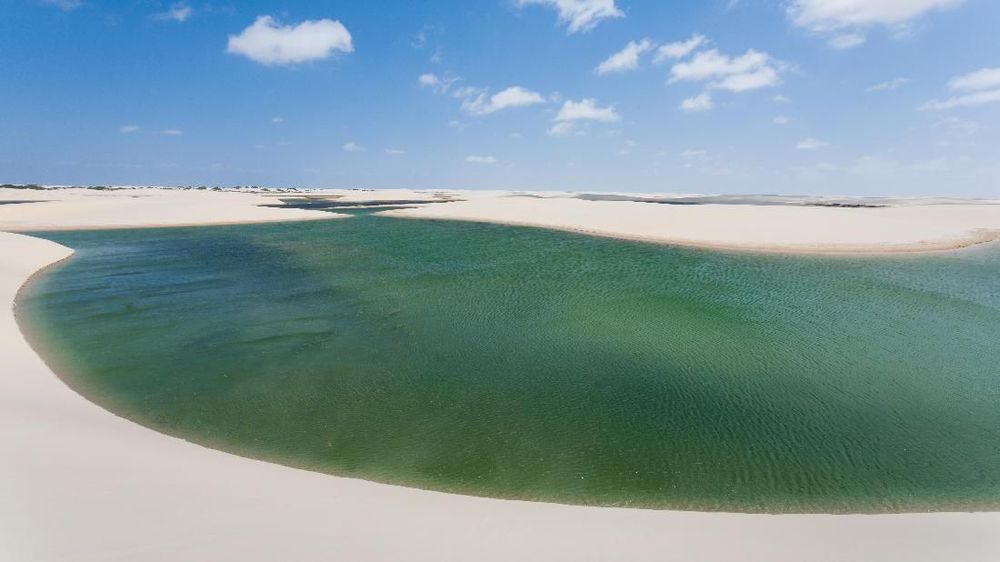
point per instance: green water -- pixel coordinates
(525, 363)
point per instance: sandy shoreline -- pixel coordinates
(79, 483)
(898, 228)
(772, 224)
(82, 209)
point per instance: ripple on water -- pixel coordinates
(519, 362)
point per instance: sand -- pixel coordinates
(67, 209)
(79, 483)
(904, 226)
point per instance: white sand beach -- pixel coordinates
(903, 226)
(62, 209)
(79, 483)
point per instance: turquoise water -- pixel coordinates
(525, 363)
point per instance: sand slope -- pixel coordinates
(897, 228)
(60, 209)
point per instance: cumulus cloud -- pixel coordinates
(277, 119)
(429, 80)
(586, 110)
(965, 100)
(562, 129)
(179, 12)
(749, 71)
(442, 85)
(780, 120)
(268, 42)
(126, 129)
(478, 101)
(481, 159)
(573, 112)
(975, 88)
(982, 79)
(351, 146)
(889, 85)
(625, 59)
(515, 96)
(811, 144)
(701, 102)
(846, 20)
(579, 15)
(172, 132)
(679, 49)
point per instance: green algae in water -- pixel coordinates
(525, 363)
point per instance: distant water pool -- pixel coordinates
(525, 363)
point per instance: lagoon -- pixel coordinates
(524, 363)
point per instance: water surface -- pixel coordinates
(525, 363)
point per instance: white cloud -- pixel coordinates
(811, 144)
(749, 71)
(436, 83)
(173, 132)
(277, 119)
(586, 110)
(270, 43)
(824, 15)
(701, 102)
(780, 120)
(65, 5)
(351, 146)
(395, 151)
(781, 99)
(515, 96)
(579, 15)
(129, 129)
(562, 129)
(846, 18)
(762, 77)
(975, 88)
(429, 80)
(625, 59)
(844, 41)
(965, 100)
(982, 79)
(889, 85)
(481, 159)
(679, 49)
(464, 91)
(179, 12)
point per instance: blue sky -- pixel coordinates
(787, 96)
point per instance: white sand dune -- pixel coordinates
(79, 484)
(61, 209)
(903, 227)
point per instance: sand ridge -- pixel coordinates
(894, 228)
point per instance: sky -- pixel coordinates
(854, 97)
